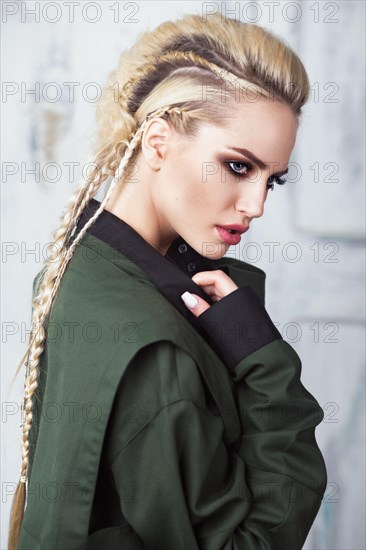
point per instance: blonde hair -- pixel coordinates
(162, 75)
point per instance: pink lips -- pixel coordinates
(237, 227)
(231, 238)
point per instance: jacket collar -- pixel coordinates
(171, 273)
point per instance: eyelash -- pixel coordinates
(280, 180)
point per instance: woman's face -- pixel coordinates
(205, 183)
(188, 187)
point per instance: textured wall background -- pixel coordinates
(310, 242)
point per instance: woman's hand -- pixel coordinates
(214, 283)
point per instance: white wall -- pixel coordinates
(314, 224)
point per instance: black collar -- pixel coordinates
(171, 273)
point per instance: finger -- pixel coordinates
(211, 290)
(207, 277)
(211, 277)
(215, 282)
(194, 303)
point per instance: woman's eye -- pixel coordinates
(243, 168)
(238, 167)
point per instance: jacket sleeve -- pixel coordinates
(181, 487)
(278, 414)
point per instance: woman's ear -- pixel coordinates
(154, 142)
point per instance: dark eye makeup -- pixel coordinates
(280, 180)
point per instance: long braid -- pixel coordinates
(41, 305)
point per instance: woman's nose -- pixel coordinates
(252, 199)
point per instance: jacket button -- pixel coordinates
(182, 248)
(191, 266)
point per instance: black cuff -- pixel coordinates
(238, 325)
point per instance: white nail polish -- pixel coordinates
(189, 300)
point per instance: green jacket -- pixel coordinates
(142, 436)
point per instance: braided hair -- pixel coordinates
(164, 74)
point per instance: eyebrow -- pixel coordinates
(262, 165)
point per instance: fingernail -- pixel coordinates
(189, 300)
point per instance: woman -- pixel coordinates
(151, 422)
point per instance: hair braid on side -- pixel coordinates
(138, 86)
(103, 167)
(55, 266)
